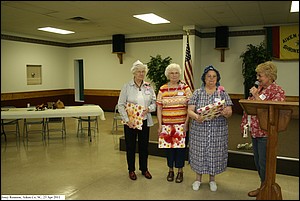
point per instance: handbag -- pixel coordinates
(59, 104)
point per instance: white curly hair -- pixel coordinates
(170, 67)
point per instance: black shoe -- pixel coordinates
(170, 176)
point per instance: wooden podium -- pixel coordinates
(273, 116)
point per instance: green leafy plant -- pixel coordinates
(156, 70)
(253, 56)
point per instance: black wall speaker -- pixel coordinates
(222, 35)
(118, 41)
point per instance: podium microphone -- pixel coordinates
(256, 83)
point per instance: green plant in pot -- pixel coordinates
(156, 70)
(253, 56)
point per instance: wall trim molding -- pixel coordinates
(131, 40)
(91, 92)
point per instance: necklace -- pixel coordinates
(139, 86)
(169, 89)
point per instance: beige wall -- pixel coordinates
(102, 69)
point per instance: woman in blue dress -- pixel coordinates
(208, 145)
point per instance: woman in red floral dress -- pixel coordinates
(267, 90)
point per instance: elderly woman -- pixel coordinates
(172, 101)
(208, 148)
(139, 93)
(267, 90)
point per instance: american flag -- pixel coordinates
(188, 70)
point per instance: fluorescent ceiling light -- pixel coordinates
(151, 18)
(55, 30)
(295, 6)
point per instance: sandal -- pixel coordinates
(254, 193)
(170, 176)
(179, 177)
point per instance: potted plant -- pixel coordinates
(156, 70)
(253, 56)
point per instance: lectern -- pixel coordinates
(273, 116)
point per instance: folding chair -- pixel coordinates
(56, 120)
(116, 121)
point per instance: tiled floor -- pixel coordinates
(97, 170)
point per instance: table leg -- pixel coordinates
(89, 128)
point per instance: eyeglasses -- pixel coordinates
(211, 76)
(174, 73)
(140, 72)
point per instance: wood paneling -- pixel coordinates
(97, 92)
(35, 94)
(105, 98)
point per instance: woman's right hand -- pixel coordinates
(130, 124)
(199, 118)
(159, 130)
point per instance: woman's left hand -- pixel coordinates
(226, 112)
(145, 112)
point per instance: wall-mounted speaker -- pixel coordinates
(118, 41)
(222, 34)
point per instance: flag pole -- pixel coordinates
(187, 31)
(188, 71)
(187, 35)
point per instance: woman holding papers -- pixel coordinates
(208, 145)
(136, 102)
(173, 121)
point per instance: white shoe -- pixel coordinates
(213, 186)
(196, 185)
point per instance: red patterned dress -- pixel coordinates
(272, 93)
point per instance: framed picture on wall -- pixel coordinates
(34, 74)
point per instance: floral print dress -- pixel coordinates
(272, 93)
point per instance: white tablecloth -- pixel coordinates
(68, 111)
